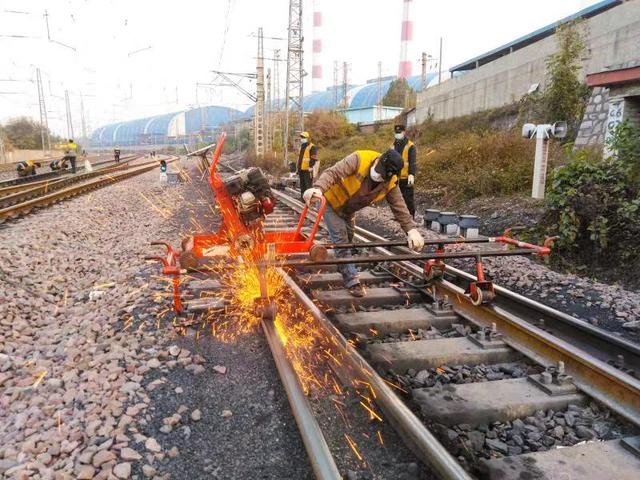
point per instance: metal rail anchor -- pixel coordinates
(482, 290)
(434, 269)
(170, 267)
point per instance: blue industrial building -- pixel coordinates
(358, 96)
(170, 128)
(203, 123)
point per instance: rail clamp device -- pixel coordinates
(480, 291)
(244, 199)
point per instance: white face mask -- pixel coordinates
(375, 176)
(399, 136)
(303, 141)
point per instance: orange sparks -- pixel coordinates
(379, 435)
(372, 414)
(127, 324)
(398, 387)
(336, 387)
(39, 379)
(368, 385)
(353, 446)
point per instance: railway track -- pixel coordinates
(486, 391)
(42, 193)
(18, 193)
(20, 181)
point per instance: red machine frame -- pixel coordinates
(234, 238)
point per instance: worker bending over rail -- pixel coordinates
(27, 168)
(308, 164)
(359, 180)
(407, 149)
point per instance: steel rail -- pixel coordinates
(410, 428)
(53, 185)
(46, 175)
(74, 190)
(322, 462)
(591, 338)
(5, 191)
(410, 257)
(614, 388)
(594, 340)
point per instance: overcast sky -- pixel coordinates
(128, 58)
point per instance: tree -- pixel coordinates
(400, 94)
(5, 140)
(565, 95)
(326, 127)
(23, 133)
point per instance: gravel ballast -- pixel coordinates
(610, 307)
(95, 382)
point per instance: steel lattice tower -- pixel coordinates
(44, 121)
(269, 115)
(295, 73)
(69, 120)
(258, 121)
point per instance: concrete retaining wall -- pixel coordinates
(614, 38)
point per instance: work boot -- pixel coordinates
(357, 290)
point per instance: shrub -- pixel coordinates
(594, 204)
(471, 164)
(23, 133)
(431, 132)
(625, 142)
(271, 163)
(326, 127)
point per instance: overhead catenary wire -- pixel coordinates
(230, 4)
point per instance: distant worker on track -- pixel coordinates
(407, 149)
(27, 168)
(308, 163)
(116, 154)
(361, 179)
(71, 154)
(58, 164)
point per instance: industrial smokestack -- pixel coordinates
(406, 36)
(316, 76)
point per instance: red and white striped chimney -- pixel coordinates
(406, 36)
(316, 73)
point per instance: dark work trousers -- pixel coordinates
(305, 180)
(407, 194)
(72, 160)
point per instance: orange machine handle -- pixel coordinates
(316, 224)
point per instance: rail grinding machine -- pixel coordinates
(245, 199)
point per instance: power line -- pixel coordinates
(230, 3)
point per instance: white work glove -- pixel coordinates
(410, 180)
(415, 240)
(311, 193)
